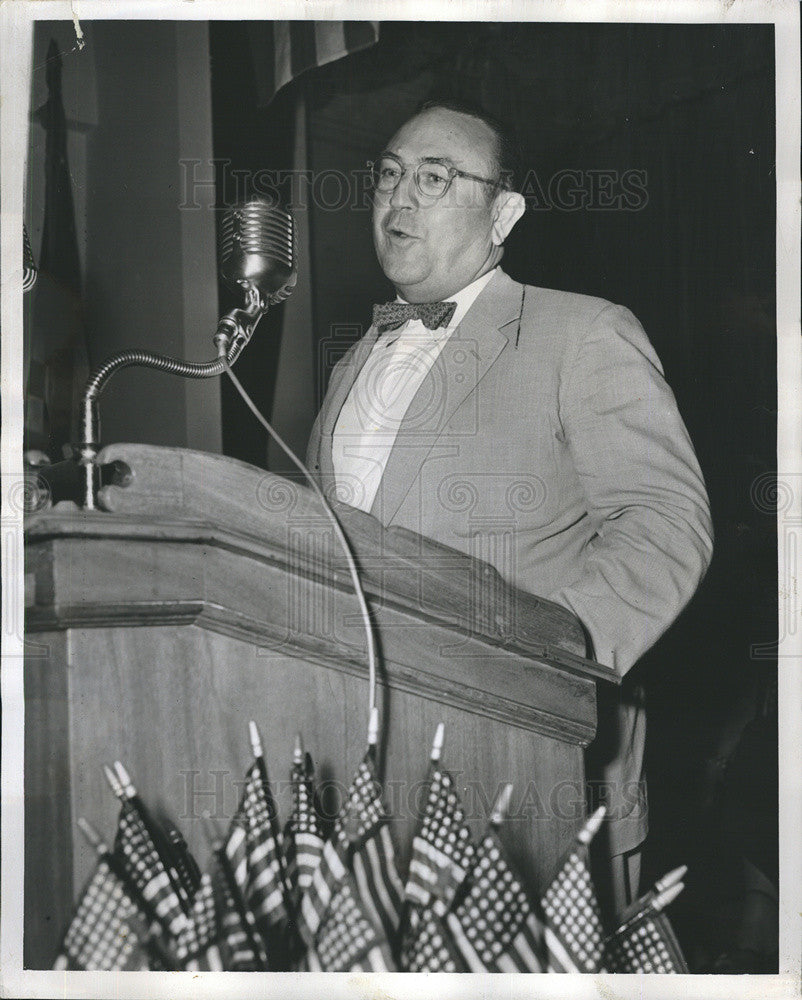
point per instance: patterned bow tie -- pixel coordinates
(391, 315)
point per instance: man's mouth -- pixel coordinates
(400, 234)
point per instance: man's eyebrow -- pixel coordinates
(438, 159)
(424, 159)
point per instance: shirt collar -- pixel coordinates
(464, 298)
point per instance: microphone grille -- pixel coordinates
(256, 247)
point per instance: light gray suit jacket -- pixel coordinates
(546, 441)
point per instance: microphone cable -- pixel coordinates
(341, 536)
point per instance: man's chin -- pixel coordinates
(400, 272)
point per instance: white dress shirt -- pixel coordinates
(380, 397)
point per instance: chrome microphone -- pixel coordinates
(256, 250)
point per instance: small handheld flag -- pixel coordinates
(574, 934)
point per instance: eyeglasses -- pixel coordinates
(432, 177)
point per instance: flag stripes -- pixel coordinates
(348, 936)
(29, 271)
(379, 885)
(494, 918)
(216, 937)
(353, 905)
(330, 871)
(526, 951)
(243, 947)
(283, 50)
(253, 853)
(303, 834)
(559, 958)
(307, 856)
(144, 866)
(442, 850)
(467, 950)
(201, 928)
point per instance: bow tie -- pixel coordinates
(391, 315)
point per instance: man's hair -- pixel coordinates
(508, 151)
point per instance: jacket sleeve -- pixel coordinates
(644, 489)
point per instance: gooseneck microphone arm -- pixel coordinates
(233, 333)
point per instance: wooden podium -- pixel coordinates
(208, 593)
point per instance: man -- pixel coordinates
(540, 411)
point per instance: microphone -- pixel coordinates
(256, 250)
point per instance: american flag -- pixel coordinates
(574, 934)
(303, 835)
(145, 868)
(442, 854)
(196, 946)
(372, 853)
(347, 939)
(327, 876)
(282, 50)
(216, 936)
(253, 854)
(645, 944)
(645, 940)
(107, 931)
(442, 850)
(359, 847)
(428, 945)
(493, 924)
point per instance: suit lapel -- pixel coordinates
(466, 358)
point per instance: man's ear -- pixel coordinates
(507, 210)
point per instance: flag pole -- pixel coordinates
(591, 827)
(501, 806)
(669, 879)
(655, 904)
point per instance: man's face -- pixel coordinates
(430, 249)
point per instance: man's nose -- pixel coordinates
(405, 194)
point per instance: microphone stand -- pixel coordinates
(80, 477)
(256, 256)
